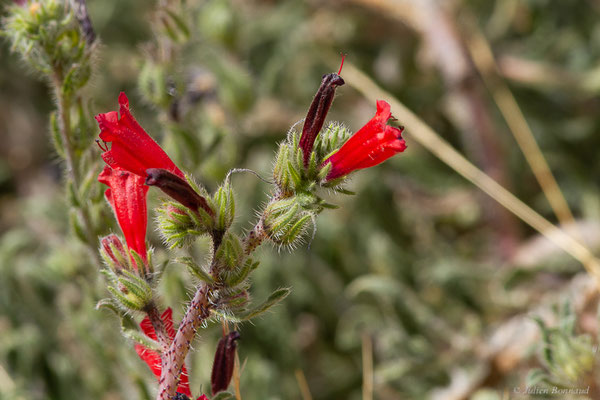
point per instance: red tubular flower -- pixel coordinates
(132, 149)
(126, 194)
(371, 145)
(152, 358)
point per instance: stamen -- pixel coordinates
(342, 64)
(105, 148)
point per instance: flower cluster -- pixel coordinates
(134, 161)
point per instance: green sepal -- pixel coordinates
(294, 174)
(296, 230)
(224, 202)
(230, 252)
(129, 304)
(196, 269)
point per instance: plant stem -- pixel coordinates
(198, 311)
(64, 123)
(158, 325)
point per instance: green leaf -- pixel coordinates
(273, 299)
(196, 270)
(109, 304)
(141, 338)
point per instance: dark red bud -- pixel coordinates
(318, 112)
(177, 188)
(224, 361)
(110, 243)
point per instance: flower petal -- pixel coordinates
(132, 148)
(127, 196)
(371, 145)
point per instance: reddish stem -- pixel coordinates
(174, 357)
(159, 326)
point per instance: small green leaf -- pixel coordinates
(196, 270)
(273, 299)
(109, 304)
(140, 338)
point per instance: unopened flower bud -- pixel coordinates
(285, 221)
(114, 253)
(177, 188)
(224, 361)
(318, 111)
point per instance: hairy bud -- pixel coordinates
(224, 361)
(286, 220)
(113, 253)
(318, 112)
(177, 188)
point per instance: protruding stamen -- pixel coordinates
(342, 64)
(105, 148)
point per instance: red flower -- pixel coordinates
(372, 144)
(152, 358)
(132, 149)
(126, 194)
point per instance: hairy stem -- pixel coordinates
(159, 326)
(63, 102)
(173, 359)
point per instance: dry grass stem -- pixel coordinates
(303, 385)
(367, 367)
(483, 58)
(421, 133)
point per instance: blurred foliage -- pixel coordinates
(410, 262)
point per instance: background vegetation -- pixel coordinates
(420, 272)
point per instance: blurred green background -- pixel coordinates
(419, 270)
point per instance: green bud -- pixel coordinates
(285, 221)
(179, 225)
(131, 291)
(49, 38)
(224, 204)
(229, 256)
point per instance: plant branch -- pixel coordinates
(158, 325)
(64, 123)
(198, 311)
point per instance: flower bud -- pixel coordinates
(285, 221)
(177, 188)
(178, 224)
(50, 41)
(228, 256)
(318, 111)
(224, 203)
(114, 253)
(133, 292)
(224, 362)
